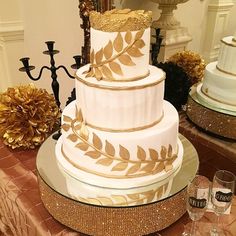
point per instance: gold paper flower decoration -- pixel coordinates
(192, 64)
(28, 115)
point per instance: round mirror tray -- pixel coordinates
(211, 115)
(95, 210)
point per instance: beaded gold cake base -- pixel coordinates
(107, 221)
(210, 120)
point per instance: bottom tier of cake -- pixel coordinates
(126, 159)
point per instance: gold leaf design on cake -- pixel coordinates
(118, 43)
(128, 37)
(72, 137)
(118, 159)
(109, 149)
(126, 60)
(120, 166)
(93, 154)
(108, 50)
(65, 127)
(105, 61)
(67, 119)
(97, 142)
(82, 146)
(115, 67)
(124, 153)
(131, 199)
(105, 161)
(153, 154)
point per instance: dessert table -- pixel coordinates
(22, 212)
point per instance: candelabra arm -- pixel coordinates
(67, 72)
(40, 73)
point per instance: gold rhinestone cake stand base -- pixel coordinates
(107, 221)
(94, 219)
(210, 118)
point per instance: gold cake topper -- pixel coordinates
(120, 20)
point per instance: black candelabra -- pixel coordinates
(155, 47)
(53, 68)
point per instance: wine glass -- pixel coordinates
(198, 191)
(221, 195)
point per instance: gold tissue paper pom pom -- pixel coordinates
(192, 64)
(28, 115)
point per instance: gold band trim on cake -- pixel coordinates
(136, 78)
(120, 20)
(229, 44)
(76, 165)
(119, 88)
(127, 130)
(229, 73)
(217, 100)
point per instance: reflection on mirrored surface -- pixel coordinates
(198, 97)
(70, 187)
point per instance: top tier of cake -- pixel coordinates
(227, 56)
(120, 44)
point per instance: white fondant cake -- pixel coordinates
(219, 84)
(120, 133)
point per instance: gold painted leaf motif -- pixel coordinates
(65, 127)
(82, 146)
(93, 154)
(124, 153)
(72, 137)
(120, 166)
(109, 148)
(160, 167)
(134, 52)
(115, 67)
(79, 116)
(169, 151)
(98, 73)
(153, 154)
(133, 169)
(148, 167)
(126, 60)
(92, 57)
(168, 167)
(107, 72)
(120, 199)
(99, 56)
(108, 50)
(139, 34)
(163, 152)
(134, 196)
(139, 43)
(90, 73)
(128, 37)
(105, 161)
(105, 201)
(67, 119)
(97, 142)
(141, 154)
(118, 42)
(78, 127)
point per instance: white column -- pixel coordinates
(217, 21)
(11, 43)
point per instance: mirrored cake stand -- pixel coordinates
(214, 117)
(94, 210)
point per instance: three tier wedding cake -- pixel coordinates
(120, 133)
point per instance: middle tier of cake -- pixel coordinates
(121, 159)
(121, 106)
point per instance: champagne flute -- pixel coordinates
(197, 199)
(221, 195)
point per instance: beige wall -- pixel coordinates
(59, 20)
